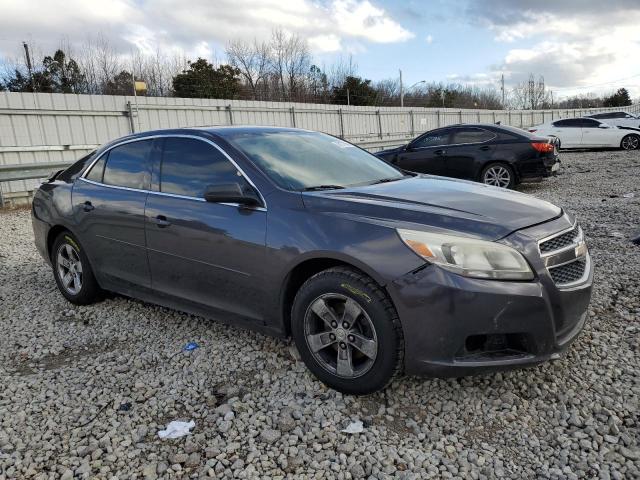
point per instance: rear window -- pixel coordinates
(128, 165)
(471, 135)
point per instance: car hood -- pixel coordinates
(428, 202)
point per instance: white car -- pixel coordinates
(588, 133)
(618, 119)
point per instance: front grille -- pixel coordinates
(561, 241)
(569, 272)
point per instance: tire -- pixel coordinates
(630, 142)
(326, 348)
(72, 271)
(498, 175)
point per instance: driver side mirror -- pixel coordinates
(231, 193)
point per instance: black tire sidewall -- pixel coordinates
(387, 358)
(90, 291)
(512, 173)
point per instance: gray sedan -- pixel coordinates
(371, 270)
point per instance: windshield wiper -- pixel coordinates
(322, 187)
(386, 180)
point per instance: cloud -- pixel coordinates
(575, 44)
(429, 39)
(199, 26)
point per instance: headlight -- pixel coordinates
(468, 256)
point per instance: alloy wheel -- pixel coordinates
(69, 268)
(497, 176)
(630, 142)
(340, 335)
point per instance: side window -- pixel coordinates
(128, 165)
(190, 165)
(97, 170)
(432, 139)
(568, 123)
(588, 123)
(471, 135)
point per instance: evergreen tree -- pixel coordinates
(202, 80)
(358, 91)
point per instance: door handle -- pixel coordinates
(485, 148)
(440, 152)
(162, 222)
(87, 207)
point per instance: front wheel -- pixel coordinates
(347, 331)
(498, 175)
(630, 142)
(72, 271)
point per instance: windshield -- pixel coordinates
(307, 160)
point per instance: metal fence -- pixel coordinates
(48, 131)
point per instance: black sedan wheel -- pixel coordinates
(347, 331)
(72, 271)
(630, 142)
(498, 175)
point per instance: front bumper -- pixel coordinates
(457, 326)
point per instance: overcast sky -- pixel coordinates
(579, 46)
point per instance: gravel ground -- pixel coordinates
(84, 390)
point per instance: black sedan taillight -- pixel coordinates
(543, 147)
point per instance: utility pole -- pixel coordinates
(348, 100)
(502, 88)
(401, 91)
(29, 67)
(551, 99)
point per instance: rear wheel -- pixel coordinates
(72, 271)
(630, 142)
(498, 175)
(347, 331)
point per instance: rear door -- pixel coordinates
(569, 131)
(469, 151)
(108, 205)
(426, 154)
(208, 253)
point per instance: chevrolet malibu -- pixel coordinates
(371, 270)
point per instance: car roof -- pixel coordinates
(204, 131)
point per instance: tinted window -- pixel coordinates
(588, 123)
(74, 170)
(471, 135)
(97, 170)
(570, 122)
(432, 139)
(189, 166)
(296, 160)
(128, 165)
(601, 115)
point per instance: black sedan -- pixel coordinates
(492, 154)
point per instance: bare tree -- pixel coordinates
(253, 61)
(531, 94)
(290, 60)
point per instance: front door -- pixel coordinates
(569, 131)
(208, 253)
(108, 206)
(595, 136)
(426, 154)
